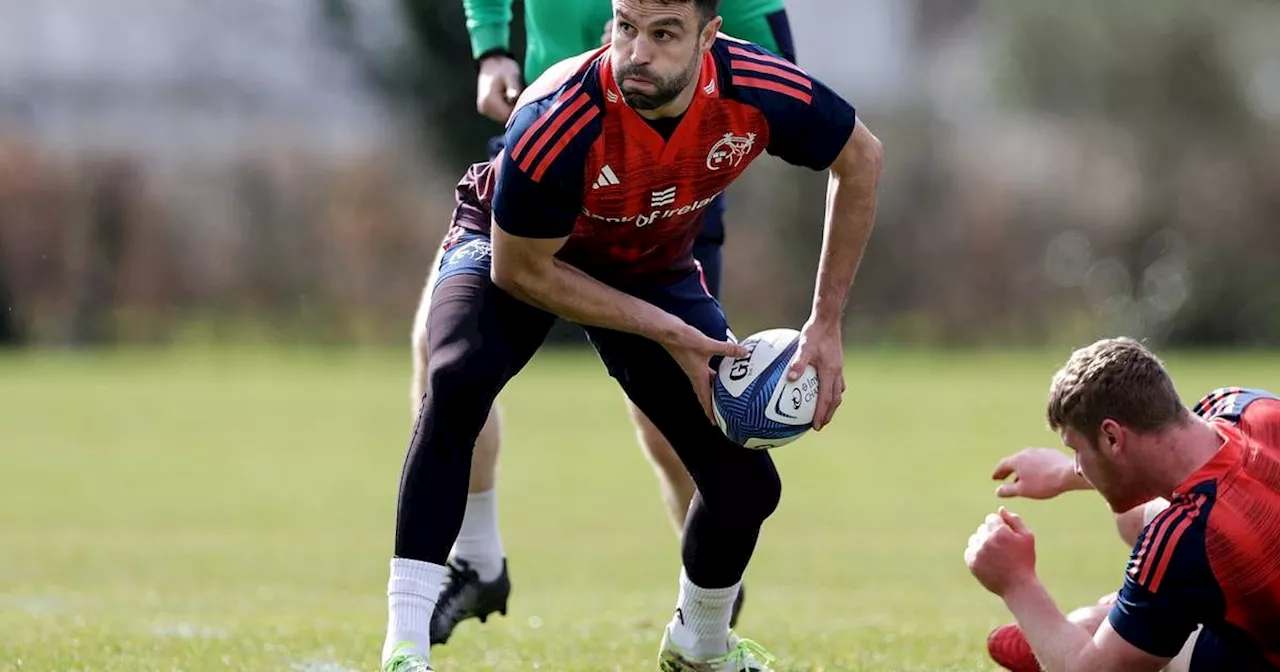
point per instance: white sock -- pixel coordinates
(700, 626)
(478, 542)
(411, 597)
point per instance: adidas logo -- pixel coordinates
(662, 198)
(607, 178)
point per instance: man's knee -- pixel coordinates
(460, 385)
(738, 481)
(1090, 618)
(456, 404)
(459, 378)
(750, 492)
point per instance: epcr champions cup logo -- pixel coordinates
(730, 151)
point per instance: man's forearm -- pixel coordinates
(569, 293)
(1057, 642)
(850, 216)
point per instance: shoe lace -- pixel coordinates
(747, 652)
(459, 575)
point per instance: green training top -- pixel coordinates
(558, 29)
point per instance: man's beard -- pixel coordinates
(666, 91)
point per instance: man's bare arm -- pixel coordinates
(527, 269)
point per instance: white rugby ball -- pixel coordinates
(755, 405)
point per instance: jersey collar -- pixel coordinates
(639, 131)
(1223, 462)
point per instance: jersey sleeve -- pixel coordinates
(1169, 587)
(1256, 411)
(540, 172)
(1261, 419)
(808, 122)
(488, 25)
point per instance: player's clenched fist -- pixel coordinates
(498, 87)
(1002, 553)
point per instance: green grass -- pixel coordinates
(234, 511)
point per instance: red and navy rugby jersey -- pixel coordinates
(579, 162)
(1213, 557)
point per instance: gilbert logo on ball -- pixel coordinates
(755, 405)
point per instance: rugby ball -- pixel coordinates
(754, 403)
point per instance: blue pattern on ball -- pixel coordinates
(744, 416)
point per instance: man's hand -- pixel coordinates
(498, 87)
(1002, 553)
(1038, 473)
(692, 350)
(820, 345)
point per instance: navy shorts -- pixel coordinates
(690, 298)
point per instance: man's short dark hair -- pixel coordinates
(707, 9)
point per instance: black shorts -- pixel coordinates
(690, 298)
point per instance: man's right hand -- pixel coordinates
(1038, 473)
(498, 87)
(693, 350)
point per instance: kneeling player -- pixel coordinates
(675, 112)
(1197, 494)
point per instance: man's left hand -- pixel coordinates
(1002, 553)
(820, 345)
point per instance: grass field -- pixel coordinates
(233, 511)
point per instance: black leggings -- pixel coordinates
(480, 337)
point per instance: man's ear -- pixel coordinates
(1111, 436)
(708, 36)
